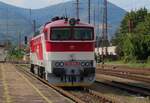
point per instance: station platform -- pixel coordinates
(16, 87)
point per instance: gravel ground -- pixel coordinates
(117, 94)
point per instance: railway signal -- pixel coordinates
(25, 40)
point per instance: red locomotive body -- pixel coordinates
(63, 53)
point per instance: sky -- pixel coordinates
(131, 4)
(35, 4)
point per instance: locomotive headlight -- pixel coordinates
(61, 64)
(87, 64)
(82, 63)
(57, 64)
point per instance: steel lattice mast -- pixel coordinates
(104, 30)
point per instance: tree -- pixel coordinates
(133, 37)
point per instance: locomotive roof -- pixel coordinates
(59, 23)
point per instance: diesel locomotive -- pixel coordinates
(62, 52)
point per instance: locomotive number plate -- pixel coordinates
(72, 63)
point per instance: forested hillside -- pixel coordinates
(17, 21)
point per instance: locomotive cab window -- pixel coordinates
(83, 33)
(61, 34)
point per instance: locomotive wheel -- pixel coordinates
(44, 76)
(32, 68)
(42, 72)
(38, 71)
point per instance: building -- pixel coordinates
(110, 50)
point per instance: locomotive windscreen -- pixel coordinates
(72, 34)
(83, 34)
(61, 34)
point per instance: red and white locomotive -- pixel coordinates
(63, 53)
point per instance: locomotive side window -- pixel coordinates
(83, 34)
(46, 35)
(61, 34)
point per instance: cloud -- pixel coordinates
(55, 1)
(131, 4)
(41, 3)
(125, 4)
(15, 2)
(33, 3)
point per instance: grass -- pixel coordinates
(138, 65)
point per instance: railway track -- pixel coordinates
(80, 96)
(135, 72)
(130, 75)
(124, 75)
(119, 85)
(90, 96)
(122, 67)
(125, 69)
(136, 90)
